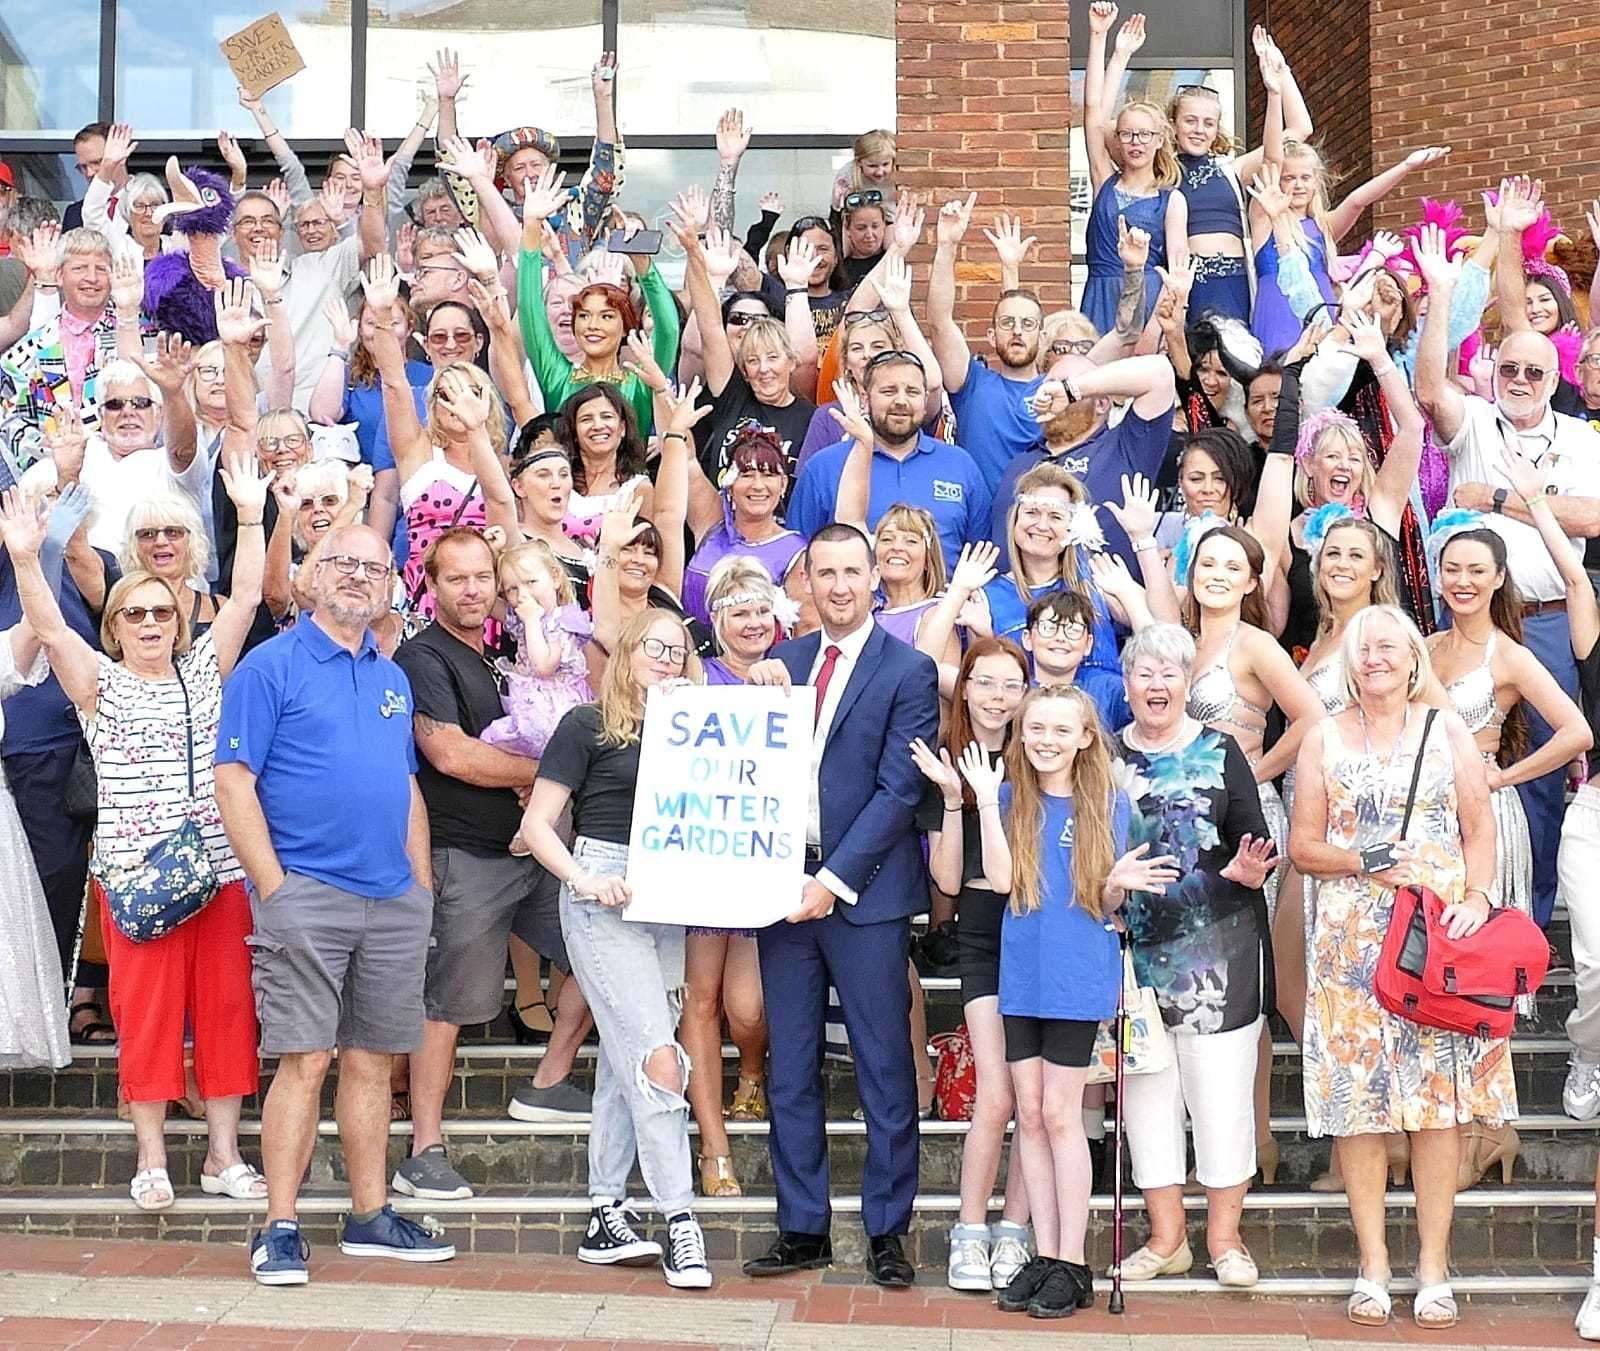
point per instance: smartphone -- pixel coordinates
(1375, 858)
(643, 241)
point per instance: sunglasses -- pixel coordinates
(1071, 347)
(1198, 89)
(865, 197)
(162, 614)
(877, 316)
(1510, 370)
(347, 566)
(138, 401)
(655, 649)
(150, 533)
(742, 318)
(894, 357)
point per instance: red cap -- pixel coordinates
(5, 175)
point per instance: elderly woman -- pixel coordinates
(166, 537)
(134, 216)
(149, 706)
(1204, 946)
(1367, 1071)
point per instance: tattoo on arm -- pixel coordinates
(425, 725)
(1130, 304)
(722, 197)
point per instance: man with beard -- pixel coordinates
(1073, 406)
(316, 782)
(470, 789)
(908, 465)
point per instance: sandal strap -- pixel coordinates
(1434, 1297)
(1371, 1292)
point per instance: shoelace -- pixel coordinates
(287, 1244)
(970, 1250)
(688, 1245)
(619, 1221)
(414, 1235)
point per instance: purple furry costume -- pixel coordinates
(174, 297)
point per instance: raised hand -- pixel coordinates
(1274, 69)
(232, 155)
(603, 75)
(40, 252)
(618, 528)
(1133, 244)
(850, 415)
(342, 328)
(772, 201)
(602, 265)
(127, 279)
(245, 484)
(733, 137)
(1253, 862)
(983, 777)
(467, 161)
(474, 253)
(797, 263)
(1480, 368)
(251, 103)
(692, 207)
(22, 525)
(1438, 268)
(1367, 340)
(1130, 37)
(641, 361)
(1008, 241)
(119, 146)
(1427, 155)
(71, 510)
(1266, 187)
(950, 227)
(448, 81)
(405, 246)
(381, 284)
(1102, 17)
(1521, 201)
(683, 410)
(366, 150)
(543, 196)
(236, 322)
(169, 364)
(1111, 576)
(1387, 245)
(939, 770)
(277, 192)
(894, 286)
(1134, 872)
(286, 492)
(266, 269)
(1309, 340)
(467, 401)
(722, 255)
(975, 569)
(331, 199)
(1178, 280)
(66, 438)
(1136, 513)
(492, 304)
(1521, 472)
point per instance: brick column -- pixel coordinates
(982, 104)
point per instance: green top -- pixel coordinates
(558, 378)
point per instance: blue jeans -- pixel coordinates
(1550, 640)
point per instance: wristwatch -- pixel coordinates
(1499, 500)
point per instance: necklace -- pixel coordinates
(1183, 733)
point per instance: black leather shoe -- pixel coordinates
(886, 1262)
(792, 1252)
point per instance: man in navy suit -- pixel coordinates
(865, 878)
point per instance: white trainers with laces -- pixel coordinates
(969, 1257)
(1581, 1096)
(1009, 1255)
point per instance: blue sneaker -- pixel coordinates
(391, 1234)
(278, 1255)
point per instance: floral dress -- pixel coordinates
(1368, 1072)
(1203, 946)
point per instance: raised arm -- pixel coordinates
(618, 529)
(410, 442)
(676, 417)
(1275, 495)
(22, 527)
(167, 367)
(477, 165)
(1583, 610)
(127, 296)
(733, 139)
(984, 780)
(1348, 212)
(266, 271)
(1101, 85)
(290, 169)
(471, 405)
(328, 397)
(1011, 248)
(895, 293)
(855, 479)
(448, 82)
(1440, 397)
(716, 352)
(949, 343)
(794, 270)
(505, 350)
(1520, 202)
(247, 490)
(1133, 247)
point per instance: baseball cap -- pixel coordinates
(6, 175)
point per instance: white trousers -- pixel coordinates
(1578, 882)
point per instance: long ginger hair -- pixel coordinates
(958, 731)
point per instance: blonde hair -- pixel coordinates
(621, 701)
(1046, 475)
(1383, 589)
(1350, 649)
(870, 145)
(166, 509)
(131, 581)
(917, 521)
(511, 563)
(273, 421)
(732, 575)
(1351, 437)
(1165, 163)
(764, 334)
(1092, 789)
(1321, 211)
(497, 411)
(1075, 325)
(1222, 143)
(203, 356)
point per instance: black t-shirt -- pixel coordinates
(930, 816)
(737, 408)
(601, 777)
(451, 683)
(856, 269)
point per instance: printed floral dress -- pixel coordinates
(1368, 1072)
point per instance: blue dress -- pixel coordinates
(1273, 321)
(1104, 287)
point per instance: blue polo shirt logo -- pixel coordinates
(1075, 464)
(392, 703)
(944, 491)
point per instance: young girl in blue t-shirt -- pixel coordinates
(1053, 836)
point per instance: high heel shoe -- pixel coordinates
(717, 1176)
(749, 1101)
(1397, 1147)
(1267, 1159)
(1481, 1148)
(530, 1034)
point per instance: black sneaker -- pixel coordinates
(610, 1240)
(1016, 1297)
(684, 1262)
(1058, 1296)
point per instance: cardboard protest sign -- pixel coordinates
(262, 56)
(719, 811)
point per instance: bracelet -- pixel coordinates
(1531, 502)
(954, 806)
(129, 321)
(1149, 542)
(1480, 892)
(797, 291)
(674, 436)
(992, 802)
(246, 524)
(271, 300)
(607, 561)
(1386, 369)
(46, 285)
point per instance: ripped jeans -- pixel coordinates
(632, 976)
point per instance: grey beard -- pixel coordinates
(349, 615)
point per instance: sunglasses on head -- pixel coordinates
(1072, 347)
(1510, 370)
(894, 357)
(162, 614)
(139, 401)
(1198, 89)
(865, 197)
(150, 533)
(877, 316)
(809, 223)
(743, 318)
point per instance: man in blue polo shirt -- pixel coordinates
(316, 784)
(907, 466)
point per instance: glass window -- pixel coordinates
(528, 63)
(49, 66)
(172, 80)
(826, 69)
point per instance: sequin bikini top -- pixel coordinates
(1473, 694)
(1215, 700)
(1327, 682)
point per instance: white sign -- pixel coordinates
(719, 812)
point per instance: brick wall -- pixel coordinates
(1331, 64)
(982, 105)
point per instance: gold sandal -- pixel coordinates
(717, 1176)
(749, 1101)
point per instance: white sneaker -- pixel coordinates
(1009, 1256)
(1581, 1096)
(1588, 1320)
(969, 1257)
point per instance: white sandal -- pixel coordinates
(238, 1180)
(1236, 1269)
(1369, 1293)
(1434, 1307)
(151, 1189)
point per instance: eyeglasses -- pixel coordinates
(328, 500)
(253, 222)
(314, 223)
(866, 197)
(742, 318)
(988, 685)
(1511, 370)
(347, 566)
(1072, 347)
(211, 373)
(162, 614)
(1138, 137)
(293, 441)
(439, 267)
(144, 208)
(138, 401)
(655, 649)
(1048, 626)
(150, 533)
(1018, 323)
(894, 357)
(1591, 362)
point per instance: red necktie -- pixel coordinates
(830, 658)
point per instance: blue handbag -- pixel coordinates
(172, 883)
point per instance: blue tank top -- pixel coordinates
(1213, 203)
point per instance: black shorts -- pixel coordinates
(978, 918)
(1067, 1042)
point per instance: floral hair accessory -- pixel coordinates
(1446, 526)
(740, 598)
(786, 610)
(1193, 529)
(1313, 427)
(1321, 521)
(1083, 528)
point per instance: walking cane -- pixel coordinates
(1116, 1185)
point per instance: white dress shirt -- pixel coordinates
(850, 647)
(1567, 452)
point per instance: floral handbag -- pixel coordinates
(1146, 1044)
(172, 883)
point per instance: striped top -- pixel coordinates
(137, 739)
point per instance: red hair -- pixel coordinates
(616, 297)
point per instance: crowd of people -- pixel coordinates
(350, 525)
